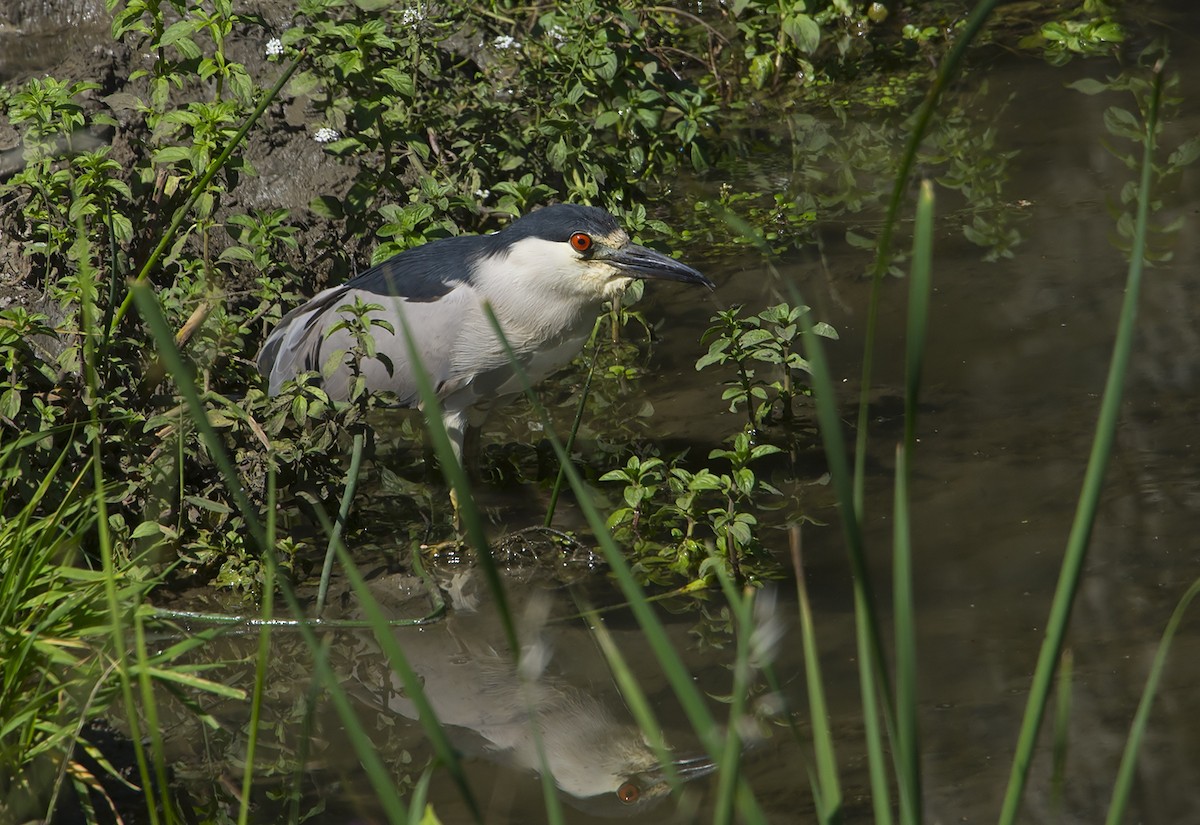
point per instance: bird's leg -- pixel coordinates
(458, 531)
(457, 429)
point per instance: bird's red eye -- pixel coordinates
(581, 242)
(628, 792)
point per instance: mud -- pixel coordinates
(71, 42)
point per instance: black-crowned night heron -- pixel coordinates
(546, 278)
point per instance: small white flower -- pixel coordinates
(483, 194)
(411, 16)
(558, 35)
(326, 135)
(274, 47)
(505, 42)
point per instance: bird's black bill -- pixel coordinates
(694, 767)
(641, 262)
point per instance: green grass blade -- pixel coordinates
(827, 789)
(304, 735)
(873, 674)
(202, 185)
(262, 658)
(356, 455)
(1062, 719)
(1085, 513)
(413, 689)
(634, 696)
(919, 290)
(947, 70)
(377, 773)
(872, 666)
(119, 611)
(419, 798)
(550, 800)
(689, 696)
(1137, 729)
(561, 478)
(184, 375)
(867, 645)
(456, 477)
(741, 608)
(908, 745)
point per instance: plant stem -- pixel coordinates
(335, 535)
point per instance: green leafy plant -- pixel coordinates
(769, 338)
(671, 515)
(1094, 31)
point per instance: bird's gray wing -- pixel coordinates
(291, 342)
(432, 281)
(303, 341)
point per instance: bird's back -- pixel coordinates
(426, 287)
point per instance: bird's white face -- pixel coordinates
(546, 287)
(577, 270)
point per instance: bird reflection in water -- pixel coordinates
(597, 757)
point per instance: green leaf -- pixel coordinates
(713, 357)
(764, 449)
(335, 359)
(1187, 153)
(172, 154)
(208, 504)
(1123, 123)
(761, 70)
(10, 403)
(241, 86)
(1109, 33)
(804, 32)
(236, 253)
(327, 206)
(146, 529)
(859, 241)
(1089, 86)
(557, 155)
(825, 330)
(179, 34)
(400, 82)
(303, 84)
(754, 337)
(606, 118)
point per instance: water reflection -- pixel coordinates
(492, 709)
(495, 714)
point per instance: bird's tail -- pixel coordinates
(294, 345)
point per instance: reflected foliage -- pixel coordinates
(1128, 126)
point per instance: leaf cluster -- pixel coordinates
(748, 342)
(673, 517)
